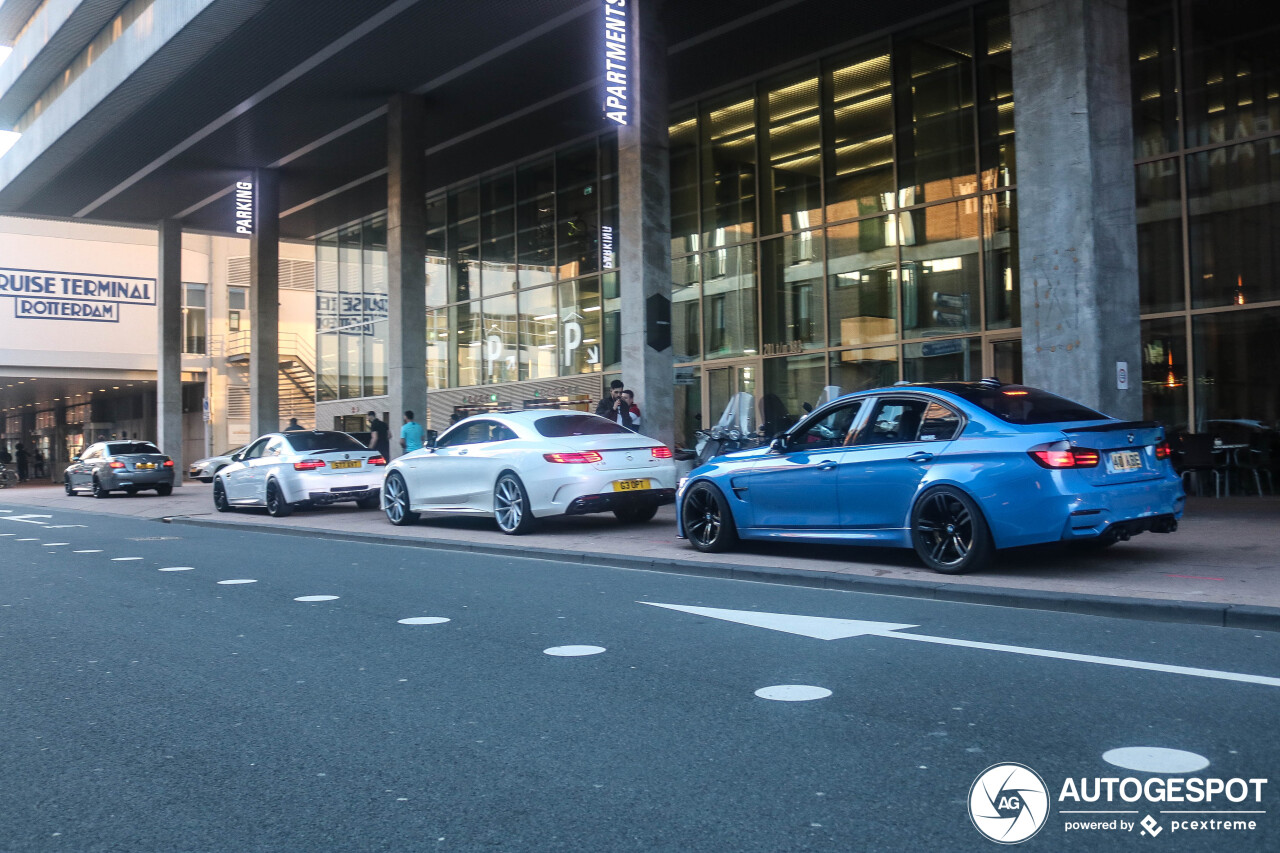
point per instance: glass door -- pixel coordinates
(731, 396)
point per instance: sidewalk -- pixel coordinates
(1222, 567)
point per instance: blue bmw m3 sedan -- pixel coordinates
(954, 470)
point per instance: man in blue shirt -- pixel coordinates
(410, 434)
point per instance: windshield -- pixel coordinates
(310, 442)
(562, 426)
(1018, 404)
(124, 448)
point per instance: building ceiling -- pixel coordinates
(302, 85)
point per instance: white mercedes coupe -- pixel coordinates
(522, 466)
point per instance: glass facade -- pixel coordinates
(1206, 96)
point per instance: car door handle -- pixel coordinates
(462, 453)
(827, 466)
(920, 456)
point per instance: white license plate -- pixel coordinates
(630, 485)
(346, 463)
(1125, 460)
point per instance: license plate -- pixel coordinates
(346, 463)
(630, 485)
(145, 466)
(1125, 460)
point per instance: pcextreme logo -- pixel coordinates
(1009, 804)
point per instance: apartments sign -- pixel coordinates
(617, 62)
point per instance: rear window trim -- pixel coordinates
(586, 417)
(289, 439)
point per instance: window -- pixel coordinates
(563, 426)
(256, 449)
(194, 319)
(237, 301)
(1018, 404)
(310, 442)
(124, 448)
(939, 424)
(476, 432)
(829, 428)
(893, 421)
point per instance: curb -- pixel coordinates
(1242, 616)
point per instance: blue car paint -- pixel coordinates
(1022, 502)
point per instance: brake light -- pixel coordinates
(1163, 451)
(115, 464)
(586, 457)
(661, 452)
(1062, 455)
(376, 460)
(308, 465)
(168, 463)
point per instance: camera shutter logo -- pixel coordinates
(1008, 803)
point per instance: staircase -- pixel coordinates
(297, 378)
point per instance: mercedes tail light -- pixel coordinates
(376, 460)
(661, 452)
(308, 465)
(586, 457)
(1060, 454)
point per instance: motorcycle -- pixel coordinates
(732, 432)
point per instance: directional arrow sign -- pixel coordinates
(593, 354)
(823, 628)
(29, 518)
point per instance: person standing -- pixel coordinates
(629, 398)
(22, 463)
(293, 425)
(410, 434)
(38, 464)
(620, 413)
(380, 435)
(605, 408)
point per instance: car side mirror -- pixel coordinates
(431, 437)
(236, 457)
(778, 445)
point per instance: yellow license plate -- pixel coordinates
(346, 463)
(142, 465)
(630, 485)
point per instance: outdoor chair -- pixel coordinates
(1197, 457)
(1255, 461)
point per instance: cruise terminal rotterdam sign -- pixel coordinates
(50, 295)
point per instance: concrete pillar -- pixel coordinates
(169, 336)
(406, 264)
(644, 227)
(264, 305)
(1078, 247)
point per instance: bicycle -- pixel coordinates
(8, 477)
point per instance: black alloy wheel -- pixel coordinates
(949, 533)
(277, 506)
(707, 519)
(98, 491)
(637, 514)
(66, 484)
(396, 500)
(220, 502)
(164, 490)
(511, 506)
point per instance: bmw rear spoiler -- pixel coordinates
(1115, 426)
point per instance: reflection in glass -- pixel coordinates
(862, 369)
(1000, 245)
(580, 336)
(940, 361)
(466, 360)
(375, 358)
(688, 405)
(995, 100)
(862, 281)
(1234, 203)
(686, 319)
(789, 385)
(792, 195)
(1153, 76)
(1164, 372)
(1232, 70)
(729, 302)
(729, 170)
(612, 323)
(859, 156)
(791, 293)
(539, 333)
(536, 220)
(1006, 361)
(1237, 362)
(940, 269)
(464, 267)
(577, 185)
(933, 70)
(684, 182)
(497, 233)
(1159, 213)
(437, 348)
(501, 339)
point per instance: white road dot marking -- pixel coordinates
(26, 540)
(89, 551)
(178, 569)
(124, 559)
(237, 580)
(316, 598)
(1155, 759)
(423, 620)
(793, 693)
(51, 544)
(8, 534)
(573, 651)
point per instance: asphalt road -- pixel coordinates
(153, 710)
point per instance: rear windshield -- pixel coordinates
(1018, 404)
(562, 426)
(310, 442)
(124, 448)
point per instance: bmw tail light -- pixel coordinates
(376, 460)
(1060, 454)
(115, 463)
(1163, 451)
(308, 465)
(586, 457)
(662, 453)
(168, 463)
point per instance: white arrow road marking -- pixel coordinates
(60, 526)
(29, 518)
(823, 628)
